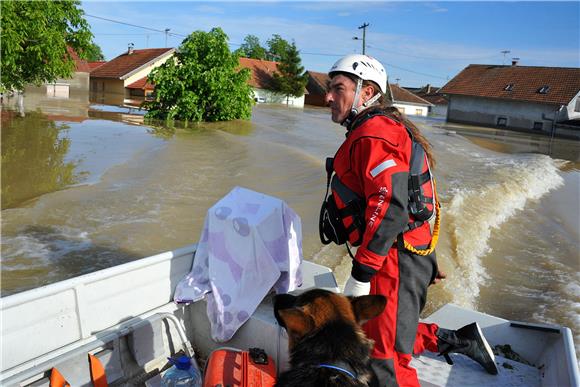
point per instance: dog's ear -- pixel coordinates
(283, 301)
(296, 322)
(368, 307)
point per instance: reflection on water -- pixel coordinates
(33, 158)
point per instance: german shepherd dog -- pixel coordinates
(326, 343)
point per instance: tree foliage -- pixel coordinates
(94, 53)
(290, 79)
(202, 83)
(35, 36)
(251, 48)
(277, 47)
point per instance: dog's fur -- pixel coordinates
(324, 328)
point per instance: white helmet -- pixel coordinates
(363, 66)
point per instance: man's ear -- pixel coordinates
(367, 93)
(368, 307)
(297, 323)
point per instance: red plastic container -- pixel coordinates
(229, 367)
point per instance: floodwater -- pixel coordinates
(88, 186)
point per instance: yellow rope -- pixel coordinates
(436, 227)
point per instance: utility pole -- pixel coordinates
(504, 52)
(166, 34)
(364, 28)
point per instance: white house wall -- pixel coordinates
(146, 70)
(519, 115)
(572, 112)
(269, 96)
(412, 110)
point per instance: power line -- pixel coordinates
(415, 72)
(321, 54)
(430, 58)
(135, 25)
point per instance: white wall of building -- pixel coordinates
(412, 110)
(269, 96)
(515, 114)
(143, 72)
(573, 108)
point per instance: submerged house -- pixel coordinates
(518, 97)
(409, 103)
(61, 88)
(317, 87)
(262, 83)
(125, 76)
(432, 95)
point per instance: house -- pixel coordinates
(409, 103)
(262, 82)
(517, 97)
(94, 65)
(61, 88)
(317, 87)
(116, 79)
(431, 94)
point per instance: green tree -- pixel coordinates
(291, 79)
(251, 48)
(202, 83)
(35, 36)
(277, 47)
(94, 53)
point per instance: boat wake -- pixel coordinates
(473, 213)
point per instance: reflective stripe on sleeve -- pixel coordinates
(382, 167)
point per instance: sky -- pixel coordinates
(417, 42)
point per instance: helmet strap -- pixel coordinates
(354, 109)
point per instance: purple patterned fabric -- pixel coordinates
(251, 244)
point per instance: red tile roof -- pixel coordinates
(431, 94)
(491, 81)
(81, 65)
(317, 83)
(142, 84)
(405, 96)
(262, 72)
(125, 63)
(94, 65)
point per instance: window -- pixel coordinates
(419, 112)
(509, 87)
(577, 107)
(401, 109)
(501, 122)
(538, 125)
(544, 89)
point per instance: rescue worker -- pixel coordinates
(370, 194)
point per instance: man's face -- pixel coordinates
(340, 96)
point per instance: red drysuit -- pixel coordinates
(373, 163)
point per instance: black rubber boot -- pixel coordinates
(468, 341)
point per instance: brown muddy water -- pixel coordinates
(88, 186)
